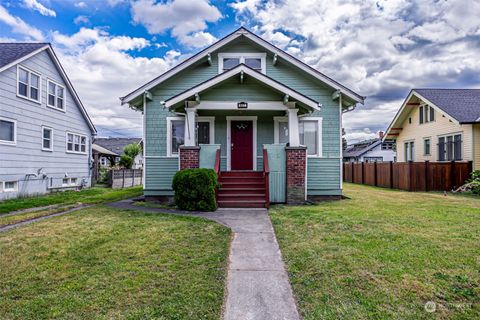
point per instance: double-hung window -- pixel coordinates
(55, 95)
(309, 128)
(410, 151)
(426, 114)
(28, 85)
(76, 143)
(426, 146)
(47, 139)
(254, 60)
(8, 131)
(450, 148)
(176, 133)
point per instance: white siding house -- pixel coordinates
(45, 132)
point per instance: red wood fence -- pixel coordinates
(409, 176)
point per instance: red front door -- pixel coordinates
(242, 145)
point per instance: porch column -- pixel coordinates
(190, 132)
(293, 133)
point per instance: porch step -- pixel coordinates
(241, 189)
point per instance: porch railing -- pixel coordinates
(266, 173)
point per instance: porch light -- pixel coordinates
(242, 105)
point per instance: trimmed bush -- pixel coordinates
(195, 189)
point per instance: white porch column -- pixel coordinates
(190, 132)
(293, 133)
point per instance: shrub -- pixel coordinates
(132, 150)
(474, 182)
(126, 161)
(195, 189)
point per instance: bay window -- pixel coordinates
(28, 84)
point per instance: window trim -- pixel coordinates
(424, 153)
(453, 141)
(51, 139)
(75, 134)
(210, 120)
(276, 127)
(8, 142)
(242, 56)
(14, 189)
(30, 71)
(409, 151)
(426, 114)
(64, 110)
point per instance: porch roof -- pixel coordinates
(241, 70)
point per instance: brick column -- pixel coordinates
(296, 174)
(189, 157)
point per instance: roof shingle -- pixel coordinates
(12, 51)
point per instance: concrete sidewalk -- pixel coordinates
(257, 283)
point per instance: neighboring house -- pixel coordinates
(45, 132)
(438, 125)
(240, 94)
(116, 146)
(373, 150)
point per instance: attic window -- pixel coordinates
(254, 60)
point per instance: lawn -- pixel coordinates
(90, 196)
(383, 254)
(105, 263)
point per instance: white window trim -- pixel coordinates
(409, 151)
(7, 142)
(242, 55)
(64, 96)
(14, 189)
(210, 120)
(425, 154)
(75, 134)
(51, 139)
(30, 71)
(229, 139)
(276, 127)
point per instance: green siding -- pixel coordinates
(323, 173)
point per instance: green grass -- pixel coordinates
(91, 196)
(19, 217)
(383, 254)
(104, 263)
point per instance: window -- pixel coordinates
(65, 182)
(28, 84)
(227, 61)
(409, 151)
(76, 143)
(9, 186)
(47, 139)
(450, 148)
(373, 159)
(73, 181)
(426, 146)
(176, 133)
(309, 130)
(8, 131)
(426, 114)
(55, 96)
(388, 145)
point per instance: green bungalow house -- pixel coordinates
(268, 123)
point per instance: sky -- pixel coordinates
(379, 48)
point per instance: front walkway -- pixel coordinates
(257, 285)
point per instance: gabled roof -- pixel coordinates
(243, 32)
(116, 145)
(242, 68)
(462, 106)
(14, 53)
(360, 148)
(99, 149)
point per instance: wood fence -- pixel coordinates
(409, 176)
(125, 178)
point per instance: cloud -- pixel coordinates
(102, 70)
(37, 6)
(80, 5)
(81, 19)
(186, 19)
(378, 48)
(19, 26)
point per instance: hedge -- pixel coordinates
(195, 189)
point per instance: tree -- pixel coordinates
(129, 153)
(126, 161)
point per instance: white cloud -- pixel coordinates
(185, 19)
(19, 26)
(81, 19)
(102, 70)
(80, 5)
(379, 48)
(37, 6)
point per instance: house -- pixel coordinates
(241, 96)
(372, 150)
(45, 131)
(438, 125)
(116, 146)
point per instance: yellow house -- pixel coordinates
(438, 125)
